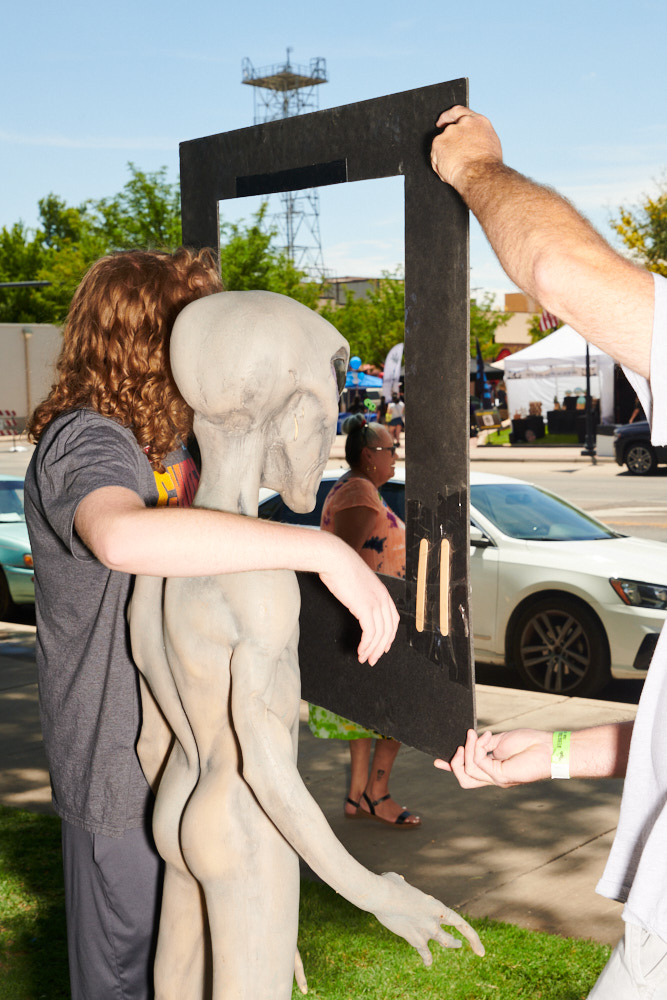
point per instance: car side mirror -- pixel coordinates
(478, 539)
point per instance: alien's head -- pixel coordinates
(263, 367)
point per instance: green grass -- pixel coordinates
(346, 953)
(33, 949)
(502, 436)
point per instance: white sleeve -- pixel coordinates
(653, 394)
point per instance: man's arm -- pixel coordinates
(174, 541)
(524, 755)
(544, 245)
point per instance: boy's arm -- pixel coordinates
(129, 537)
(544, 245)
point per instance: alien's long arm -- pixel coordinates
(269, 768)
(162, 710)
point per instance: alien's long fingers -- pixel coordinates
(452, 919)
(299, 973)
(446, 940)
(425, 955)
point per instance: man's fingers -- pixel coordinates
(452, 115)
(474, 754)
(461, 772)
(469, 763)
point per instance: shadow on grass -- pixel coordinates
(33, 948)
(346, 953)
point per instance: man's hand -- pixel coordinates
(356, 586)
(468, 139)
(513, 758)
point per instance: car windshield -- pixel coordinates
(11, 501)
(523, 511)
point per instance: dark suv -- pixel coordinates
(632, 447)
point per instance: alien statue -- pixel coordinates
(220, 675)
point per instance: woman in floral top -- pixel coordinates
(355, 511)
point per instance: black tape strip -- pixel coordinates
(296, 179)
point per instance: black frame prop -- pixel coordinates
(422, 691)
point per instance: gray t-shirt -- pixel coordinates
(88, 684)
(636, 872)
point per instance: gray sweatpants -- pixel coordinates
(112, 898)
(636, 970)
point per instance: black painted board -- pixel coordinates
(422, 691)
(405, 694)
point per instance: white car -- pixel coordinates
(556, 593)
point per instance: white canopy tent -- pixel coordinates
(555, 366)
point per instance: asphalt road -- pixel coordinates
(632, 505)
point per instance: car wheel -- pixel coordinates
(5, 597)
(640, 459)
(558, 645)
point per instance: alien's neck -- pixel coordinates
(231, 469)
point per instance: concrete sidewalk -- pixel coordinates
(481, 452)
(530, 856)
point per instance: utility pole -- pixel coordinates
(282, 91)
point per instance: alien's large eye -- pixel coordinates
(339, 366)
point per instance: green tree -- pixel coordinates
(146, 214)
(59, 251)
(644, 230)
(21, 259)
(248, 260)
(372, 325)
(484, 321)
(69, 241)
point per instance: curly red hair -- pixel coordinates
(115, 353)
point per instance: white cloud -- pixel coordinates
(363, 258)
(89, 142)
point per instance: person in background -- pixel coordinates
(356, 512)
(555, 256)
(637, 412)
(396, 410)
(357, 405)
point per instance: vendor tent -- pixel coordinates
(362, 380)
(556, 366)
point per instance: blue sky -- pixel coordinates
(576, 91)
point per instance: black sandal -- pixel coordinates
(359, 814)
(401, 820)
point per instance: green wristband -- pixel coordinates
(560, 755)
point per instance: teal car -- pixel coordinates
(17, 581)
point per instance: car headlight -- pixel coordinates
(641, 595)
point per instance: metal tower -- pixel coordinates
(283, 91)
